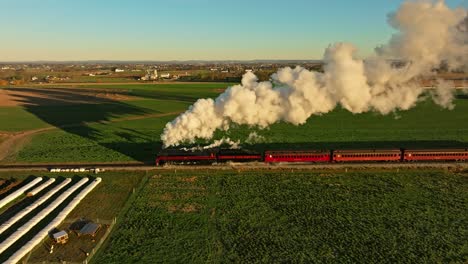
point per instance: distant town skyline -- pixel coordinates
(55, 30)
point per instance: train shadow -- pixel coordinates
(144, 152)
(77, 112)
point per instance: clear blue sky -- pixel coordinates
(189, 29)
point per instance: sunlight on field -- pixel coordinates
(311, 216)
(81, 135)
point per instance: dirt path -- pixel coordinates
(16, 141)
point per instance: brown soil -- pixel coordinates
(189, 208)
(186, 208)
(166, 197)
(191, 179)
(58, 96)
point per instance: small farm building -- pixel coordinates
(60, 237)
(89, 229)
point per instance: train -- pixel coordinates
(219, 155)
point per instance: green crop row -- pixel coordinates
(245, 217)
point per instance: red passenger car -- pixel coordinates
(297, 156)
(366, 155)
(436, 154)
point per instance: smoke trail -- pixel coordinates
(217, 143)
(428, 34)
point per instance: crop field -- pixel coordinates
(103, 204)
(123, 122)
(79, 116)
(132, 140)
(244, 217)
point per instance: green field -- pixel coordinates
(102, 132)
(331, 216)
(311, 217)
(133, 140)
(19, 119)
(138, 140)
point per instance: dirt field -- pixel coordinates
(44, 96)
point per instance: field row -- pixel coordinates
(244, 217)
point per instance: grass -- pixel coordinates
(245, 217)
(151, 99)
(425, 126)
(139, 140)
(34, 117)
(19, 119)
(133, 140)
(173, 91)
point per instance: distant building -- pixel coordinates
(150, 76)
(34, 78)
(166, 75)
(119, 70)
(154, 76)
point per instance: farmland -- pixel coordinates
(242, 216)
(82, 114)
(371, 217)
(102, 204)
(120, 123)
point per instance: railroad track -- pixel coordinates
(238, 166)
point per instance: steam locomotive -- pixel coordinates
(211, 156)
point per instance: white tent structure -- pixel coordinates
(33, 206)
(41, 187)
(18, 192)
(18, 255)
(41, 215)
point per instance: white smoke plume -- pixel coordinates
(217, 143)
(429, 33)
